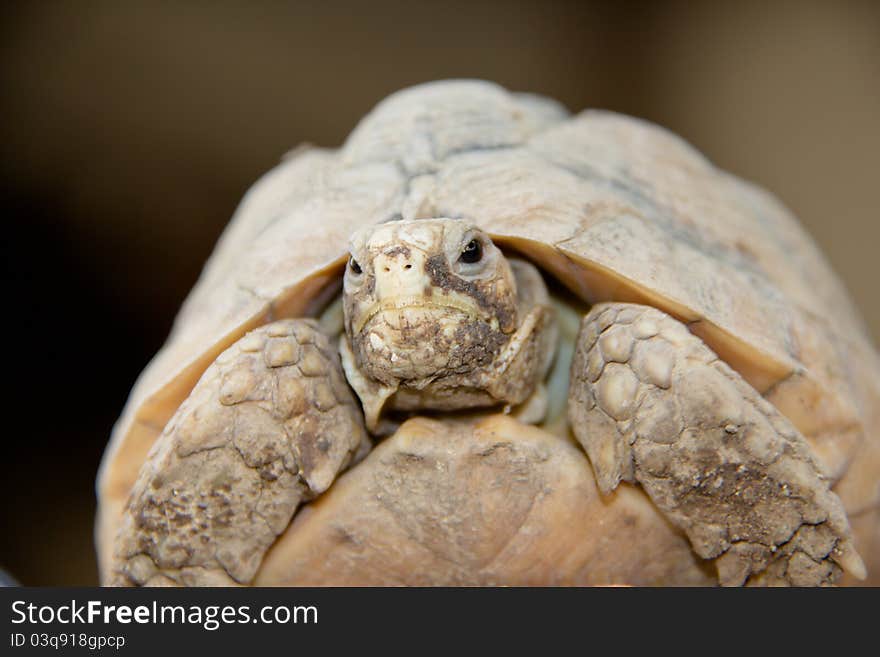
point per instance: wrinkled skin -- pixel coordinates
(437, 318)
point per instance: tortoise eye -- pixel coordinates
(354, 266)
(472, 253)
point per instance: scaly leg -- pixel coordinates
(651, 403)
(268, 426)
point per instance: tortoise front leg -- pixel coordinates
(652, 404)
(268, 426)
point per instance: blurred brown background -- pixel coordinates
(130, 131)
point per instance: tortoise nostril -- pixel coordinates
(408, 267)
(387, 269)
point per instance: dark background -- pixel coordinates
(130, 131)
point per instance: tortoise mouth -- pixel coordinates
(424, 341)
(418, 304)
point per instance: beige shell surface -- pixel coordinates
(615, 208)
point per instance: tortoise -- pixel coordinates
(529, 348)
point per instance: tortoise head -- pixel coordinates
(426, 298)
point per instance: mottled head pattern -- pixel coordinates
(425, 299)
